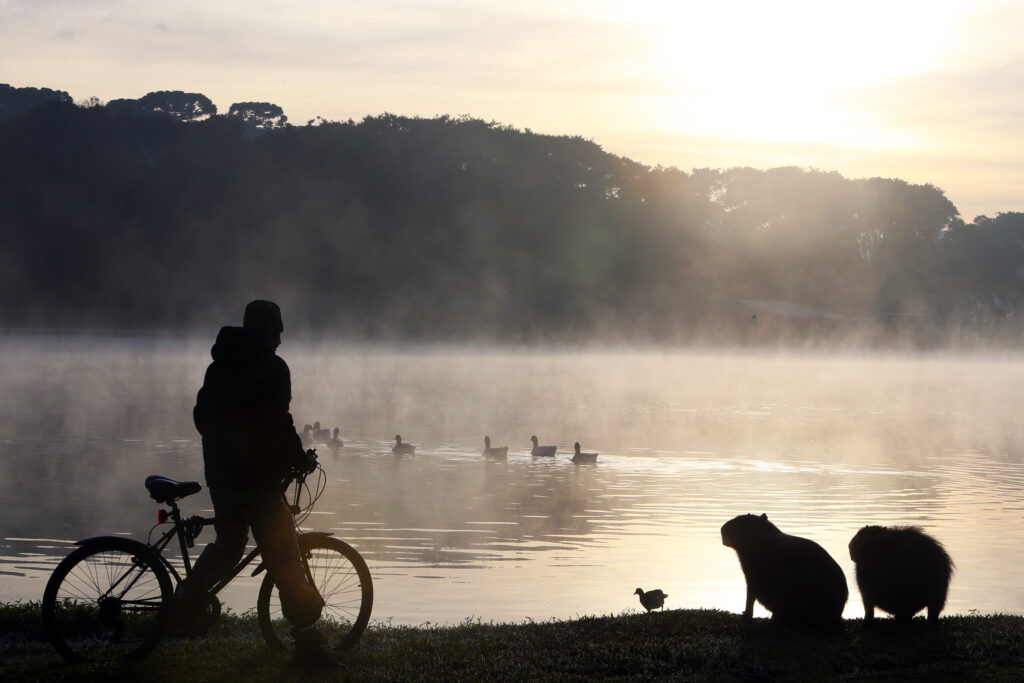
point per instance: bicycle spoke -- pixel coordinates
(105, 600)
(347, 601)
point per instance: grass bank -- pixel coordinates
(692, 645)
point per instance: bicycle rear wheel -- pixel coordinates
(343, 579)
(107, 599)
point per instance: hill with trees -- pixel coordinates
(161, 214)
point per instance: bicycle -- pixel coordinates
(111, 596)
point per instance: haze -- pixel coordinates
(822, 443)
(926, 92)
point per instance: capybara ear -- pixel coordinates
(764, 516)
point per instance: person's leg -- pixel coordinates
(274, 531)
(220, 556)
(216, 560)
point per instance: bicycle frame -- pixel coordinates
(186, 540)
(110, 568)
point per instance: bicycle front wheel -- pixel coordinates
(107, 599)
(343, 579)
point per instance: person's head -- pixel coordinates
(263, 318)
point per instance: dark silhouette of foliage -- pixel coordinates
(259, 115)
(17, 101)
(184, 106)
(455, 227)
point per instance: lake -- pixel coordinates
(822, 443)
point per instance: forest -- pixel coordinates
(161, 215)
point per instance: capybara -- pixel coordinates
(901, 570)
(794, 578)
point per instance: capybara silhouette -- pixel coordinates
(901, 570)
(794, 578)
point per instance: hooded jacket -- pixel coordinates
(249, 438)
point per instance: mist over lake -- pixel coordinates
(822, 443)
(455, 229)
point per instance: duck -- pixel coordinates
(305, 437)
(335, 441)
(404, 448)
(651, 599)
(582, 457)
(542, 451)
(496, 452)
(320, 435)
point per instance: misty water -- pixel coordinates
(687, 439)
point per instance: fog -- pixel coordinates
(822, 442)
(397, 229)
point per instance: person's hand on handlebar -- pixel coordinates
(306, 462)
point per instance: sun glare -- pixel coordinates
(787, 72)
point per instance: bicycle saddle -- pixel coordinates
(164, 490)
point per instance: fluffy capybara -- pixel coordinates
(901, 570)
(794, 578)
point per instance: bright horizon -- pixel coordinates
(926, 92)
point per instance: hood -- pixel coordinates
(239, 346)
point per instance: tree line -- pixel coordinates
(160, 214)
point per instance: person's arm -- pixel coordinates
(290, 441)
(201, 412)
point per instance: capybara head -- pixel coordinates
(863, 540)
(741, 530)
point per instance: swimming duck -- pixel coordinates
(320, 435)
(542, 451)
(583, 457)
(335, 441)
(651, 599)
(305, 437)
(497, 452)
(405, 448)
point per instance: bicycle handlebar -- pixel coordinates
(297, 476)
(298, 471)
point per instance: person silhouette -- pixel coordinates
(249, 447)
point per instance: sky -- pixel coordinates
(930, 92)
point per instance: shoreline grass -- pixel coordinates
(691, 645)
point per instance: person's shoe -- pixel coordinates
(311, 654)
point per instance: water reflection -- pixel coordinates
(687, 441)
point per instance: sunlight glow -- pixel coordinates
(787, 72)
